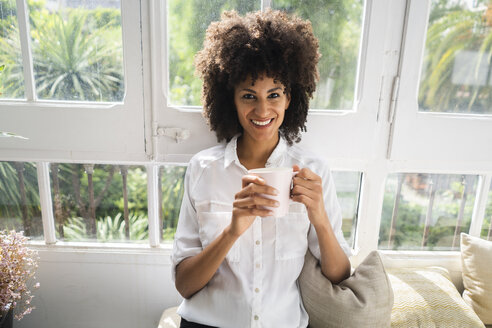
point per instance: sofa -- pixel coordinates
(384, 292)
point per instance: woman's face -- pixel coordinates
(261, 107)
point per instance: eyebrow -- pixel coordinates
(252, 91)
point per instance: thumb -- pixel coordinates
(295, 168)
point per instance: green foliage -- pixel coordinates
(172, 184)
(336, 23)
(11, 205)
(452, 30)
(109, 229)
(77, 55)
(410, 221)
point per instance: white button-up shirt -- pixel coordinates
(256, 284)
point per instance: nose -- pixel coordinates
(261, 109)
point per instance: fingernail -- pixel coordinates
(277, 204)
(275, 191)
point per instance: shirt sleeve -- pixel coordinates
(334, 212)
(186, 239)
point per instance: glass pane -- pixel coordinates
(348, 191)
(20, 209)
(104, 203)
(338, 25)
(171, 190)
(486, 232)
(12, 75)
(187, 23)
(426, 211)
(77, 50)
(456, 72)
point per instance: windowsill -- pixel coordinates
(95, 247)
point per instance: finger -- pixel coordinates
(309, 184)
(308, 174)
(301, 190)
(295, 168)
(304, 200)
(249, 178)
(255, 200)
(253, 188)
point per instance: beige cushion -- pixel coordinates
(362, 300)
(170, 319)
(476, 263)
(426, 297)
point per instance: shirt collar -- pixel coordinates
(275, 159)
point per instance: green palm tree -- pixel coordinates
(108, 228)
(72, 63)
(71, 60)
(19, 198)
(448, 36)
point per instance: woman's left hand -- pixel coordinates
(308, 189)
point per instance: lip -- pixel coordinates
(263, 126)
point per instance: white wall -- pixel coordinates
(95, 288)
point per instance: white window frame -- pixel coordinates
(389, 50)
(64, 130)
(462, 138)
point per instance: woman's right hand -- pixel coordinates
(248, 204)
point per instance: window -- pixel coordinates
(10, 54)
(456, 73)
(348, 192)
(373, 114)
(187, 23)
(338, 26)
(486, 231)
(75, 69)
(426, 211)
(171, 190)
(96, 202)
(443, 114)
(76, 51)
(20, 208)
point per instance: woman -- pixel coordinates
(235, 264)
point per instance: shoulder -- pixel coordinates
(207, 156)
(308, 158)
(204, 160)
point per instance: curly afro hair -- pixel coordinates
(272, 43)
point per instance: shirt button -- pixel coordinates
(257, 290)
(256, 317)
(257, 242)
(257, 265)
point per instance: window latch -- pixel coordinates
(177, 134)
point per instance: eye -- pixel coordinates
(248, 96)
(273, 95)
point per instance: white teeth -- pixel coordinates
(262, 123)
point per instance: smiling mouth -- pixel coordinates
(262, 123)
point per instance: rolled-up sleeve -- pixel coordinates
(334, 212)
(186, 240)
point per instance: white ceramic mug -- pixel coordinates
(279, 178)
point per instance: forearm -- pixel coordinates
(335, 265)
(193, 273)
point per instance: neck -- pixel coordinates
(253, 154)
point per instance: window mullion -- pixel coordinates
(24, 34)
(265, 4)
(43, 170)
(480, 204)
(153, 204)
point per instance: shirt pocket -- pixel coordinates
(291, 233)
(211, 225)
